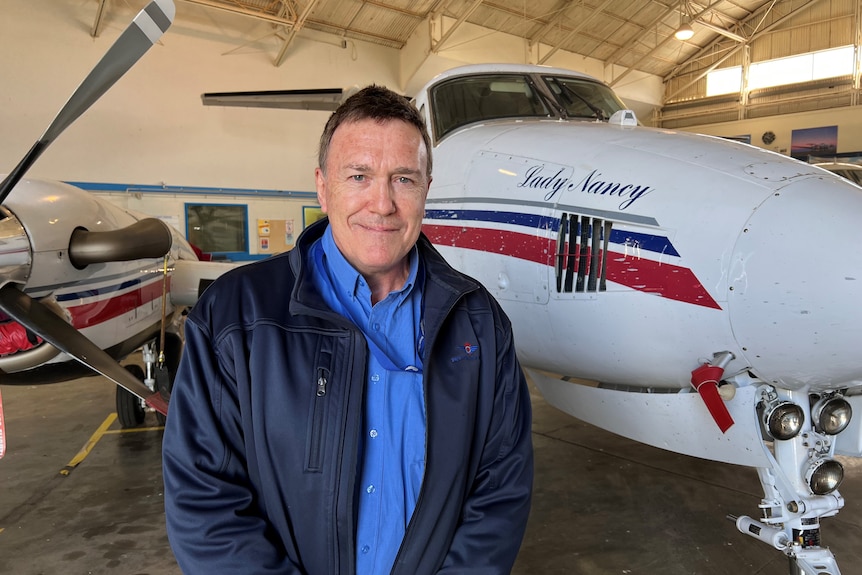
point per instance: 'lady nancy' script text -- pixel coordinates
(540, 178)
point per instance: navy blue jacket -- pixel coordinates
(260, 445)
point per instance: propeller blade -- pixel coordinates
(144, 31)
(49, 326)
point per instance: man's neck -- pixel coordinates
(382, 285)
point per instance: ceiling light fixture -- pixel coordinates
(685, 31)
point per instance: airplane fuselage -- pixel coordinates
(654, 249)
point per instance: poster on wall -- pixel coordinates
(821, 141)
(288, 232)
(263, 229)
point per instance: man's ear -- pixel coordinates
(320, 184)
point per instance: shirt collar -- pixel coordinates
(349, 282)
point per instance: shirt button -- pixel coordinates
(375, 377)
(370, 489)
(376, 327)
(373, 433)
(366, 548)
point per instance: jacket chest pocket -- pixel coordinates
(321, 401)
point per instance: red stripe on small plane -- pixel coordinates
(94, 313)
(667, 280)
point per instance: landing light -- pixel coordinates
(784, 420)
(824, 476)
(831, 415)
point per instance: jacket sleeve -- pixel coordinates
(213, 522)
(495, 514)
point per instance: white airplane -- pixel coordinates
(688, 292)
(81, 279)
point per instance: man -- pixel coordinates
(354, 405)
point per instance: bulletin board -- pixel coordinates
(275, 236)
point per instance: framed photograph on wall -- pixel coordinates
(822, 141)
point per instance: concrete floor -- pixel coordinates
(603, 505)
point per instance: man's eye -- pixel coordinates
(404, 180)
(358, 177)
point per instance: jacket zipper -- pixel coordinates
(426, 372)
(315, 455)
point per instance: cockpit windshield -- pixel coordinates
(479, 97)
(468, 99)
(582, 98)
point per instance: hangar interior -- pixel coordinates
(82, 495)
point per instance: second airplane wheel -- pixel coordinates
(130, 411)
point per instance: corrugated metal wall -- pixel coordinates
(826, 24)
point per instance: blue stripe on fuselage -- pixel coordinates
(93, 292)
(629, 239)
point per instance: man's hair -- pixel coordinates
(373, 103)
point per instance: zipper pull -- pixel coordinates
(321, 383)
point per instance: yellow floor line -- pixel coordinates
(94, 439)
(134, 429)
(88, 447)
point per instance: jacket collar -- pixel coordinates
(443, 284)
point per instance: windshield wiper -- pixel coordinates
(598, 112)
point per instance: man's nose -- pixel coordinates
(383, 197)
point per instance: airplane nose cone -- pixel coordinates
(795, 284)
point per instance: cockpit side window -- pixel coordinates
(582, 98)
(462, 101)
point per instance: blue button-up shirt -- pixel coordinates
(392, 449)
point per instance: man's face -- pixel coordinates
(374, 193)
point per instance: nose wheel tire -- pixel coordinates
(130, 411)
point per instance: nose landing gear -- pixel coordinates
(157, 376)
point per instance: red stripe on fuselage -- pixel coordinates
(667, 280)
(94, 313)
(521, 246)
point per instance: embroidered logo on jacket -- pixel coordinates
(468, 351)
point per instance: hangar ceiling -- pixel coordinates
(630, 34)
(635, 34)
